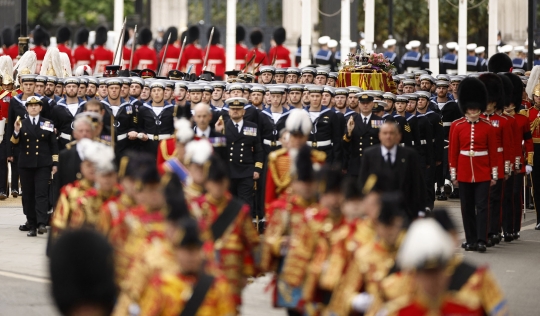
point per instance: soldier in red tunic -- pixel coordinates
(102, 56)
(216, 56)
(256, 38)
(9, 44)
(126, 51)
(193, 54)
(281, 54)
(173, 52)
(63, 35)
(472, 157)
(82, 55)
(145, 56)
(41, 41)
(241, 49)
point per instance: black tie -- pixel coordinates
(236, 125)
(389, 159)
(34, 119)
(365, 120)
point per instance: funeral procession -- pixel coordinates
(269, 157)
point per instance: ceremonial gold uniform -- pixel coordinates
(65, 215)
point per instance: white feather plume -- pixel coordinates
(52, 63)
(66, 64)
(6, 66)
(299, 121)
(82, 69)
(184, 131)
(99, 154)
(533, 81)
(199, 151)
(26, 65)
(426, 240)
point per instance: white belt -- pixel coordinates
(158, 137)
(121, 136)
(423, 142)
(411, 69)
(500, 150)
(320, 144)
(446, 123)
(473, 153)
(271, 143)
(65, 136)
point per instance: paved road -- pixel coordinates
(24, 284)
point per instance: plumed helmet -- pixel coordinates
(82, 36)
(193, 34)
(494, 88)
(280, 35)
(240, 33)
(256, 37)
(472, 94)
(298, 122)
(145, 36)
(499, 62)
(184, 131)
(63, 35)
(101, 35)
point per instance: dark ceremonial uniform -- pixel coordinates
(426, 154)
(124, 119)
(323, 57)
(425, 61)
(519, 63)
(472, 157)
(363, 136)
(245, 158)
(410, 132)
(38, 154)
(473, 64)
(391, 56)
(326, 135)
(156, 127)
(269, 129)
(449, 64)
(449, 112)
(63, 116)
(411, 59)
(437, 151)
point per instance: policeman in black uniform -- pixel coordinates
(35, 137)
(245, 152)
(63, 114)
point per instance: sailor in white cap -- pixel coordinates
(536, 57)
(473, 62)
(332, 45)
(411, 60)
(324, 55)
(481, 53)
(506, 49)
(520, 61)
(449, 61)
(390, 46)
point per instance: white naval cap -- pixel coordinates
(323, 40)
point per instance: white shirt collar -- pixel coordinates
(240, 124)
(393, 152)
(205, 133)
(368, 117)
(32, 118)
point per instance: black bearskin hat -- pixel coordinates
(63, 35)
(16, 32)
(304, 165)
(126, 36)
(218, 170)
(256, 37)
(494, 88)
(517, 89)
(508, 90)
(215, 38)
(193, 34)
(82, 271)
(7, 37)
(499, 62)
(173, 31)
(82, 36)
(101, 35)
(472, 94)
(41, 37)
(240, 34)
(145, 36)
(280, 35)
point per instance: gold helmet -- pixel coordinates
(536, 90)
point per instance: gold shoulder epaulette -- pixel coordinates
(71, 144)
(524, 112)
(276, 153)
(14, 93)
(318, 155)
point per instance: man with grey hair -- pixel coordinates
(202, 116)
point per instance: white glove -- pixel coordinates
(528, 169)
(361, 302)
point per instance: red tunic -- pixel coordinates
(126, 54)
(5, 98)
(241, 55)
(523, 139)
(216, 60)
(64, 49)
(145, 58)
(472, 150)
(169, 63)
(101, 57)
(13, 52)
(82, 56)
(260, 55)
(283, 56)
(40, 55)
(192, 55)
(503, 132)
(166, 150)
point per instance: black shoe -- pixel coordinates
(537, 227)
(455, 194)
(447, 189)
(481, 246)
(508, 237)
(530, 206)
(516, 236)
(42, 229)
(471, 247)
(496, 239)
(442, 197)
(3, 196)
(464, 245)
(438, 192)
(32, 232)
(15, 194)
(24, 227)
(489, 243)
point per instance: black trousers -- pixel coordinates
(15, 169)
(517, 207)
(243, 189)
(35, 200)
(441, 171)
(474, 204)
(494, 215)
(507, 208)
(428, 174)
(535, 174)
(4, 166)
